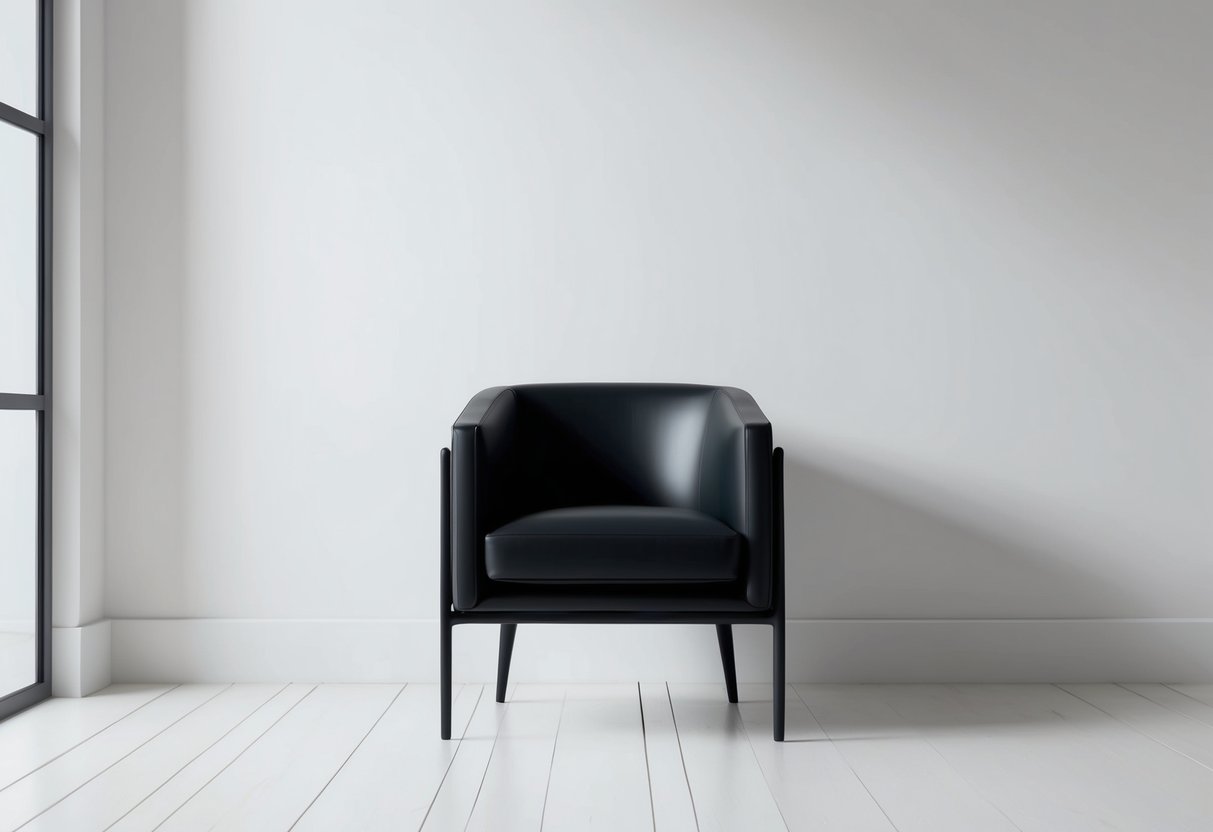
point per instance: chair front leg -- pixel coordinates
(724, 635)
(778, 681)
(505, 649)
(778, 640)
(444, 595)
(445, 674)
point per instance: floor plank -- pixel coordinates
(1180, 733)
(1050, 762)
(812, 782)
(1177, 701)
(514, 789)
(905, 774)
(1199, 692)
(1037, 758)
(390, 781)
(41, 789)
(107, 797)
(38, 735)
(599, 779)
(669, 791)
(159, 804)
(452, 805)
(272, 784)
(726, 781)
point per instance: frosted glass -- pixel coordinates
(19, 54)
(18, 549)
(18, 259)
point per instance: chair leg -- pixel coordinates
(444, 593)
(778, 681)
(445, 676)
(505, 649)
(724, 635)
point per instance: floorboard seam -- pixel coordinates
(451, 762)
(842, 756)
(681, 756)
(1166, 706)
(206, 701)
(1133, 727)
(90, 736)
(487, 763)
(245, 719)
(644, 739)
(1188, 695)
(918, 733)
(736, 709)
(348, 757)
(252, 742)
(552, 760)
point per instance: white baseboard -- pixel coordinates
(80, 659)
(1054, 650)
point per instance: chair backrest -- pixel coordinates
(610, 444)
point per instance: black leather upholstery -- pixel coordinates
(521, 451)
(584, 503)
(614, 545)
(706, 598)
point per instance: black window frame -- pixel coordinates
(40, 402)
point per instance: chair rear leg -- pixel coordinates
(779, 682)
(724, 635)
(505, 649)
(778, 639)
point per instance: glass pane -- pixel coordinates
(18, 549)
(19, 54)
(18, 259)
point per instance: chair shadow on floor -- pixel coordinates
(842, 713)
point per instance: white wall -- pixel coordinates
(959, 252)
(80, 636)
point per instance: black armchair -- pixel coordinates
(612, 503)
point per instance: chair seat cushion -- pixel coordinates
(615, 545)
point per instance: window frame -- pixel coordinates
(40, 402)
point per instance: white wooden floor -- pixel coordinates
(614, 757)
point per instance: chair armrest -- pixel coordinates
(735, 483)
(482, 443)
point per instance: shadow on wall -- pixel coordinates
(971, 592)
(874, 543)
